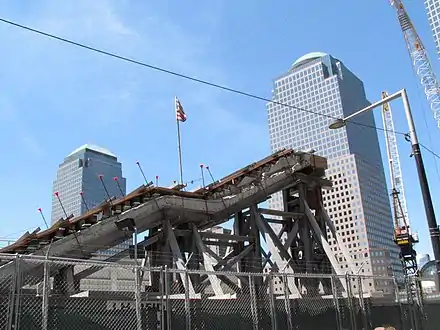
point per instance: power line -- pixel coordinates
(430, 150)
(180, 75)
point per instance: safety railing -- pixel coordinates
(55, 293)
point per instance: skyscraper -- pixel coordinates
(80, 173)
(358, 204)
(433, 11)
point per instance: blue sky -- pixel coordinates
(55, 97)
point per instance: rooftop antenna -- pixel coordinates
(42, 215)
(203, 176)
(65, 214)
(84, 201)
(100, 176)
(210, 174)
(119, 186)
(59, 201)
(142, 172)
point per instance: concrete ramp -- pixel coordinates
(80, 237)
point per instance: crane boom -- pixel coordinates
(420, 60)
(394, 164)
(402, 234)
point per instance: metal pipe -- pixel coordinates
(187, 302)
(137, 284)
(46, 289)
(424, 186)
(376, 104)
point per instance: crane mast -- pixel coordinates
(402, 234)
(420, 60)
(399, 206)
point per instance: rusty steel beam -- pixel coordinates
(143, 194)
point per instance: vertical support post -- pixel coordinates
(46, 288)
(187, 304)
(424, 187)
(14, 295)
(18, 293)
(167, 298)
(162, 307)
(255, 255)
(362, 303)
(241, 229)
(336, 302)
(253, 300)
(350, 302)
(287, 303)
(273, 310)
(138, 298)
(137, 284)
(307, 240)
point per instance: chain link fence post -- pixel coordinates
(253, 300)
(287, 303)
(161, 294)
(137, 298)
(363, 311)
(46, 289)
(350, 302)
(273, 310)
(14, 294)
(336, 303)
(187, 302)
(167, 298)
(18, 295)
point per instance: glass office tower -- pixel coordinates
(80, 173)
(358, 204)
(433, 11)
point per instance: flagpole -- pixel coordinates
(179, 145)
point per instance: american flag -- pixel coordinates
(180, 114)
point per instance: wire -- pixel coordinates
(430, 150)
(180, 75)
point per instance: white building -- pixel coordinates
(358, 204)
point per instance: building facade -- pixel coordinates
(359, 203)
(79, 188)
(433, 11)
(79, 173)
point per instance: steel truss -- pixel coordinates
(177, 223)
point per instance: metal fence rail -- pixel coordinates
(54, 293)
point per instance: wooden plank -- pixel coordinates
(231, 177)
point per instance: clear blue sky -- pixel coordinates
(55, 97)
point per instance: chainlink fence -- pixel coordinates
(54, 293)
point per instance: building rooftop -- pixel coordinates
(93, 147)
(307, 58)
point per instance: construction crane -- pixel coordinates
(420, 60)
(402, 233)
